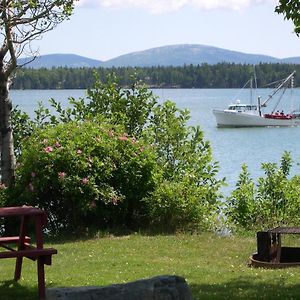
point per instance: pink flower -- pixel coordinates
(57, 145)
(124, 137)
(78, 151)
(133, 140)
(84, 180)
(48, 149)
(110, 133)
(62, 175)
(142, 149)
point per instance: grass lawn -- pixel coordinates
(215, 267)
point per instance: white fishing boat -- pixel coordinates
(251, 115)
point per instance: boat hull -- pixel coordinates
(241, 119)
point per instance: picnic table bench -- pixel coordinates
(20, 246)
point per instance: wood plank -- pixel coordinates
(32, 253)
(12, 239)
(285, 230)
(20, 211)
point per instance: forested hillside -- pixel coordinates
(223, 75)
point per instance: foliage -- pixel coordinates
(22, 128)
(183, 175)
(240, 204)
(291, 11)
(222, 75)
(85, 174)
(188, 196)
(181, 205)
(273, 202)
(131, 107)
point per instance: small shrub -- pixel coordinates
(240, 205)
(181, 206)
(273, 202)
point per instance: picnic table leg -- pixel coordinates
(39, 221)
(41, 277)
(19, 260)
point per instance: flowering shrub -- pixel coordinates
(85, 174)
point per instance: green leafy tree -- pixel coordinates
(21, 22)
(291, 11)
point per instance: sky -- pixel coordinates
(104, 29)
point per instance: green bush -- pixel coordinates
(85, 174)
(274, 201)
(156, 168)
(181, 206)
(188, 197)
(240, 205)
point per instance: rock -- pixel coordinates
(156, 288)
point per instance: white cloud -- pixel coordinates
(162, 6)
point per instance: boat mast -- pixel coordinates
(292, 94)
(264, 104)
(251, 91)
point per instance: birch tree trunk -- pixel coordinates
(6, 135)
(21, 22)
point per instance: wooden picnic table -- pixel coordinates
(19, 246)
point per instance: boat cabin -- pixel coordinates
(242, 107)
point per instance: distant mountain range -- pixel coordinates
(175, 55)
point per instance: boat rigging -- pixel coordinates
(251, 115)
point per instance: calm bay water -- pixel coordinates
(231, 146)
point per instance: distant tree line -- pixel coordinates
(222, 75)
